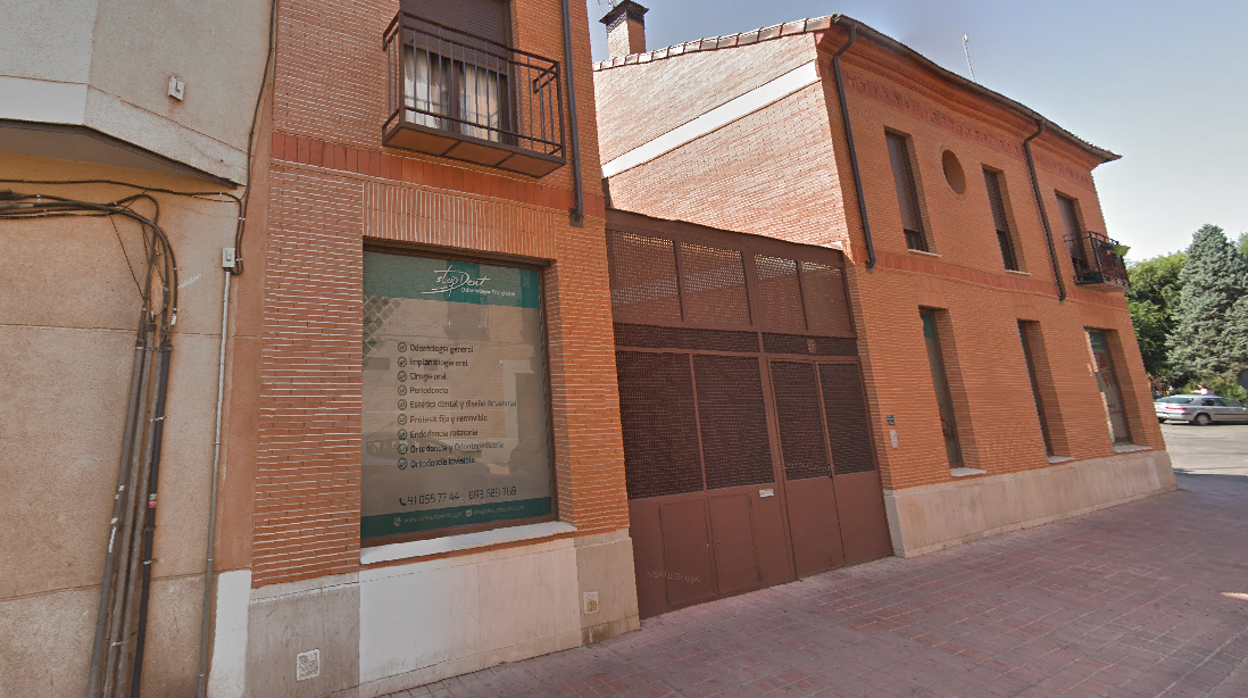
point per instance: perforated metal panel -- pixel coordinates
(714, 285)
(709, 498)
(643, 278)
(780, 293)
(827, 306)
(658, 424)
(845, 403)
(801, 425)
(654, 337)
(811, 346)
(733, 417)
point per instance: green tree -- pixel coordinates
(1210, 322)
(1154, 292)
(1243, 244)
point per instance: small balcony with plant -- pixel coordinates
(1098, 260)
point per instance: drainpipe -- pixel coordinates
(1041, 124)
(205, 623)
(577, 213)
(849, 138)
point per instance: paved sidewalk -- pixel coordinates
(1147, 599)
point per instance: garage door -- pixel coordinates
(747, 442)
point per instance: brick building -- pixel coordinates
(424, 466)
(1004, 379)
(471, 414)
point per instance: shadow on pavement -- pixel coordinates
(1209, 482)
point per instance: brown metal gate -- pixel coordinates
(748, 450)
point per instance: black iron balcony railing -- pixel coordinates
(1104, 262)
(461, 96)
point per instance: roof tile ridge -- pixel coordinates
(714, 43)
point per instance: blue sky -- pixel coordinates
(1163, 85)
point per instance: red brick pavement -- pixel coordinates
(1125, 602)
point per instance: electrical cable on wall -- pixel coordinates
(117, 654)
(119, 641)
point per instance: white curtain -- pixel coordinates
(427, 89)
(479, 102)
(427, 94)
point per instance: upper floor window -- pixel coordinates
(996, 201)
(1069, 211)
(907, 192)
(458, 89)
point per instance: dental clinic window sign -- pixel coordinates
(456, 418)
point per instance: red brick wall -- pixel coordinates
(676, 90)
(334, 187)
(744, 193)
(997, 424)
(784, 172)
(308, 453)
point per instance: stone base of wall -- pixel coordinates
(394, 627)
(925, 519)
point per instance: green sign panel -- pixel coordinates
(456, 423)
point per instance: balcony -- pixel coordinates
(460, 96)
(1105, 267)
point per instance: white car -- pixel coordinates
(1200, 409)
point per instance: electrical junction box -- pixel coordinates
(227, 257)
(177, 87)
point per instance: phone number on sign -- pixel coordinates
(455, 497)
(491, 493)
(431, 498)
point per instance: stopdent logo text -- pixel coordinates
(451, 278)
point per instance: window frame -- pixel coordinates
(936, 351)
(540, 268)
(908, 181)
(1007, 240)
(1077, 248)
(453, 82)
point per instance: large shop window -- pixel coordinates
(456, 415)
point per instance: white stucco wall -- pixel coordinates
(68, 313)
(105, 64)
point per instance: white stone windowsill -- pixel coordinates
(463, 541)
(1020, 272)
(1129, 448)
(1054, 460)
(966, 472)
(923, 252)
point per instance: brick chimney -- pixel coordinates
(626, 29)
